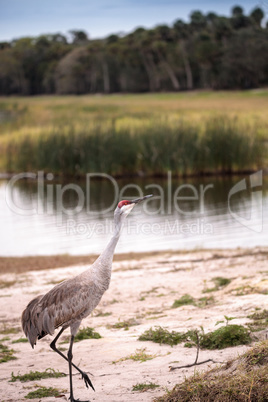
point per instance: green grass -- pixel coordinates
(143, 387)
(244, 378)
(224, 337)
(184, 301)
(163, 336)
(36, 375)
(86, 333)
(20, 340)
(43, 392)
(189, 300)
(122, 135)
(6, 354)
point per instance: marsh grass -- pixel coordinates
(36, 375)
(153, 147)
(244, 378)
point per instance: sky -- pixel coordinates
(99, 18)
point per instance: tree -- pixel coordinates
(257, 16)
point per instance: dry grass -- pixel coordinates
(242, 379)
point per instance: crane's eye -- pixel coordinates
(122, 203)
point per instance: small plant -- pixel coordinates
(86, 333)
(124, 324)
(205, 301)
(142, 387)
(224, 337)
(162, 335)
(219, 283)
(140, 355)
(6, 354)
(101, 314)
(183, 301)
(43, 392)
(36, 375)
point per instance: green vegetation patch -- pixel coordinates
(6, 354)
(20, 340)
(219, 282)
(224, 337)
(242, 379)
(189, 300)
(43, 392)
(229, 335)
(124, 324)
(185, 300)
(86, 333)
(36, 375)
(163, 336)
(140, 355)
(143, 387)
(9, 330)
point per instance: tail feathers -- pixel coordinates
(31, 323)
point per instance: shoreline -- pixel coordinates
(17, 265)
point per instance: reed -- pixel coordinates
(219, 145)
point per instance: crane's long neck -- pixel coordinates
(102, 267)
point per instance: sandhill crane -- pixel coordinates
(72, 300)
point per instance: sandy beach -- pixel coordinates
(143, 289)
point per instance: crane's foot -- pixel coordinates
(87, 380)
(76, 400)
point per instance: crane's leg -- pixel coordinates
(84, 375)
(70, 357)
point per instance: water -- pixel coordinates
(49, 217)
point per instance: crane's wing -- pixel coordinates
(67, 302)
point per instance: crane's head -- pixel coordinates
(124, 207)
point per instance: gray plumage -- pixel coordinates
(74, 299)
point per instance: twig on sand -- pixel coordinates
(171, 368)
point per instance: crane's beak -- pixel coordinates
(138, 200)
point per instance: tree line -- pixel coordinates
(208, 52)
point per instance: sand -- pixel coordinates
(143, 289)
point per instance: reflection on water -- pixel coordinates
(76, 217)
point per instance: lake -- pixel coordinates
(43, 216)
